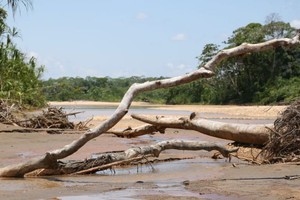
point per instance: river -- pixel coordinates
(90, 111)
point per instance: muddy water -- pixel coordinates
(160, 179)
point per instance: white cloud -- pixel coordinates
(179, 37)
(141, 16)
(295, 23)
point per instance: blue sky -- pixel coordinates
(122, 38)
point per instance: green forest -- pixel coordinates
(269, 77)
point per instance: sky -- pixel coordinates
(123, 38)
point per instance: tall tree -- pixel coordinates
(242, 79)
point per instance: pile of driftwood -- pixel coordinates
(52, 118)
(283, 145)
(6, 115)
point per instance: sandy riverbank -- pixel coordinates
(199, 178)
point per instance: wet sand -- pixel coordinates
(198, 178)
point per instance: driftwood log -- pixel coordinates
(138, 131)
(243, 133)
(107, 160)
(51, 158)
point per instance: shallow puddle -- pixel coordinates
(191, 169)
(167, 178)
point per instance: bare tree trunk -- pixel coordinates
(244, 133)
(205, 71)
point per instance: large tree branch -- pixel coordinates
(204, 72)
(244, 133)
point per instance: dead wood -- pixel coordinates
(243, 133)
(138, 131)
(205, 71)
(6, 112)
(283, 145)
(51, 118)
(104, 161)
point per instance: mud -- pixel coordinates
(197, 178)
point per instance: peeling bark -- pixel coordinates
(205, 71)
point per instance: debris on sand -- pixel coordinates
(51, 118)
(6, 110)
(283, 145)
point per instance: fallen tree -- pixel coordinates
(257, 134)
(50, 159)
(243, 133)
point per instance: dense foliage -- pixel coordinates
(19, 76)
(97, 89)
(265, 77)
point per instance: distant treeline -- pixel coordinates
(267, 77)
(97, 89)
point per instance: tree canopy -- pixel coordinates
(266, 77)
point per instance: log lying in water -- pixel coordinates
(107, 160)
